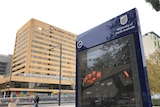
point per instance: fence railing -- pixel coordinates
(43, 76)
(30, 100)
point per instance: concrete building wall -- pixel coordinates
(5, 64)
(151, 42)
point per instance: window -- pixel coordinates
(105, 74)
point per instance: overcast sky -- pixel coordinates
(76, 16)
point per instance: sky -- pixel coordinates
(76, 16)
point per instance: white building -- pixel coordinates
(151, 42)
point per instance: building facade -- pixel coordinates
(151, 42)
(44, 57)
(5, 64)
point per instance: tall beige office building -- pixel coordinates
(42, 53)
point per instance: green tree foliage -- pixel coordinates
(153, 68)
(155, 4)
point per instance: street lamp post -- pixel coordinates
(59, 101)
(60, 66)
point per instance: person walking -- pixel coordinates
(36, 101)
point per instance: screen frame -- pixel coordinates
(111, 30)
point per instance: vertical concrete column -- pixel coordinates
(12, 105)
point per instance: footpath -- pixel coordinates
(41, 105)
(71, 105)
(51, 105)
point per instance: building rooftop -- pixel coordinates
(151, 33)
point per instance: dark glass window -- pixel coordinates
(106, 75)
(40, 85)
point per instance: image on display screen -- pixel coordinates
(108, 75)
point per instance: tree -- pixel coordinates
(155, 57)
(155, 4)
(153, 68)
(154, 77)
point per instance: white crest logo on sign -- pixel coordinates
(123, 19)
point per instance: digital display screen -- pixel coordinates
(108, 75)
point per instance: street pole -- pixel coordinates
(60, 66)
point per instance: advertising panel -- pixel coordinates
(111, 69)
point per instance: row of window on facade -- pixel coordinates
(51, 64)
(50, 76)
(25, 39)
(54, 41)
(24, 35)
(32, 85)
(45, 58)
(24, 45)
(51, 31)
(41, 68)
(56, 51)
(56, 36)
(43, 63)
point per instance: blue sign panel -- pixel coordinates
(111, 69)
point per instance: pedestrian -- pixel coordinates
(36, 101)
